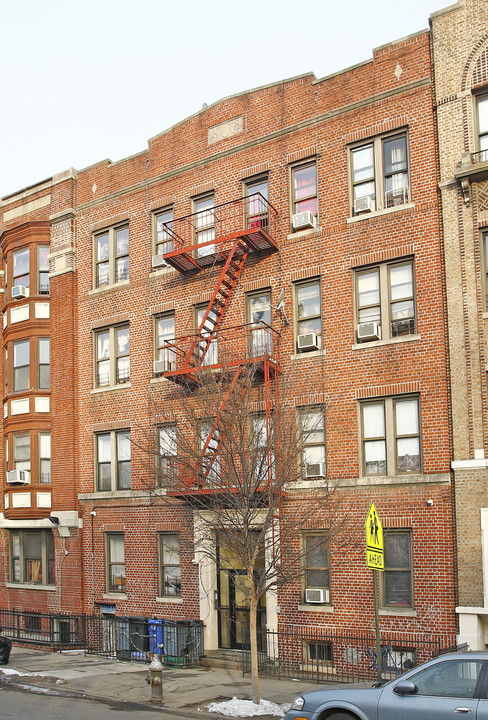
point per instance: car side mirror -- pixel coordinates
(405, 687)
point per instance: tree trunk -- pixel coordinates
(253, 640)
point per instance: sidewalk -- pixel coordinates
(187, 690)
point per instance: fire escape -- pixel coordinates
(223, 236)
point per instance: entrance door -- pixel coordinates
(234, 616)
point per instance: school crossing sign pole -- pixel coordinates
(375, 561)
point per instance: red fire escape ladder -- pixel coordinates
(218, 303)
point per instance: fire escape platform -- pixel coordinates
(191, 376)
(191, 259)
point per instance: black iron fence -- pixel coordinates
(54, 630)
(327, 655)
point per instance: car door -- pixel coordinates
(448, 689)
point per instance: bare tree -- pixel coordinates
(232, 448)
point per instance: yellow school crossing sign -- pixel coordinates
(374, 540)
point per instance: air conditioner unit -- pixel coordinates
(317, 595)
(309, 341)
(315, 469)
(162, 366)
(19, 291)
(18, 477)
(158, 261)
(369, 331)
(303, 220)
(363, 204)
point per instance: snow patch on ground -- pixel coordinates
(246, 708)
(11, 671)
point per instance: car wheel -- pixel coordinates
(341, 716)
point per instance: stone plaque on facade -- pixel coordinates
(225, 130)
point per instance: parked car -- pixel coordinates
(450, 686)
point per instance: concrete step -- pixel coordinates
(228, 659)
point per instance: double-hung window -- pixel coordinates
(163, 241)
(209, 447)
(164, 343)
(44, 363)
(113, 460)
(167, 451)
(112, 256)
(316, 567)
(379, 174)
(43, 269)
(21, 269)
(312, 435)
(385, 301)
(483, 127)
(262, 457)
(170, 574)
(115, 553)
(397, 577)
(21, 355)
(112, 356)
(390, 430)
(208, 348)
(204, 225)
(256, 206)
(32, 557)
(308, 316)
(44, 457)
(259, 319)
(22, 453)
(304, 195)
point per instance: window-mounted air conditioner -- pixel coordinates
(315, 469)
(369, 331)
(162, 366)
(363, 204)
(317, 595)
(304, 220)
(19, 291)
(158, 261)
(18, 477)
(309, 341)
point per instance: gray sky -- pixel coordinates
(95, 79)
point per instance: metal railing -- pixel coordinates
(53, 630)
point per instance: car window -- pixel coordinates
(452, 678)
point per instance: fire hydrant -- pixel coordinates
(155, 679)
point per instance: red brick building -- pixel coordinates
(346, 171)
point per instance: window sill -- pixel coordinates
(398, 612)
(114, 596)
(389, 341)
(29, 586)
(110, 388)
(109, 288)
(305, 355)
(304, 233)
(316, 608)
(379, 213)
(171, 600)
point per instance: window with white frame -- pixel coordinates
(21, 358)
(21, 269)
(163, 241)
(397, 576)
(165, 354)
(482, 106)
(115, 554)
(256, 206)
(312, 433)
(261, 448)
(112, 356)
(32, 557)
(167, 452)
(44, 363)
(385, 301)
(44, 457)
(113, 460)
(209, 441)
(379, 174)
(112, 256)
(316, 567)
(43, 269)
(308, 316)
(258, 310)
(208, 350)
(390, 436)
(304, 193)
(204, 225)
(22, 452)
(170, 565)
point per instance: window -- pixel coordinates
(165, 336)
(385, 302)
(44, 457)
(308, 317)
(113, 460)
(262, 457)
(312, 426)
(32, 557)
(304, 188)
(43, 269)
(112, 256)
(21, 273)
(167, 446)
(163, 240)
(316, 559)
(397, 577)
(112, 358)
(319, 652)
(209, 444)
(455, 678)
(483, 127)
(204, 225)
(391, 436)
(22, 452)
(115, 563)
(256, 207)
(44, 363)
(21, 365)
(209, 352)
(259, 312)
(379, 174)
(170, 576)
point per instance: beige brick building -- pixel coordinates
(460, 61)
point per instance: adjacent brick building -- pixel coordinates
(345, 232)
